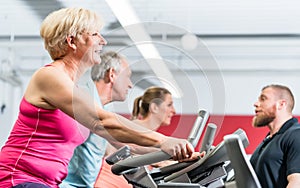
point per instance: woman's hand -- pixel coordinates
(194, 156)
(178, 149)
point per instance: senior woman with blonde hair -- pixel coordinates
(56, 115)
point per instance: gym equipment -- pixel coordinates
(214, 170)
(119, 155)
(208, 137)
(211, 171)
(193, 138)
(246, 176)
(198, 127)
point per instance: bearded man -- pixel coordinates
(276, 160)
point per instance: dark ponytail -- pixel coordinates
(136, 108)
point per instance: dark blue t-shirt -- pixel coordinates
(277, 157)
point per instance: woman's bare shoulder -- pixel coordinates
(47, 84)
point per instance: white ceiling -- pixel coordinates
(233, 35)
(19, 17)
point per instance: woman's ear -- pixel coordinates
(153, 108)
(71, 42)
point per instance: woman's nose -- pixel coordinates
(102, 40)
(173, 110)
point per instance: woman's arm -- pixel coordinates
(123, 130)
(52, 88)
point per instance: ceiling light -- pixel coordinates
(127, 17)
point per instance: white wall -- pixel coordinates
(10, 96)
(241, 91)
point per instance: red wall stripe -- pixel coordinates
(182, 124)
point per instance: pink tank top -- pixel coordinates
(39, 147)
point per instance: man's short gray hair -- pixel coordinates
(108, 60)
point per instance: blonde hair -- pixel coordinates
(152, 95)
(65, 22)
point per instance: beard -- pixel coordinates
(263, 120)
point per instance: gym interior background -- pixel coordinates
(213, 55)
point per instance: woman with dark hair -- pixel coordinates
(151, 110)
